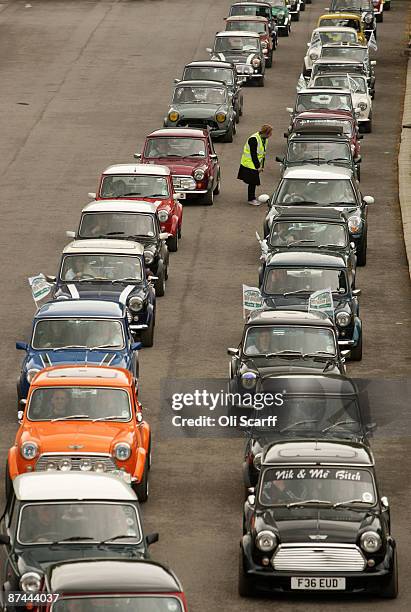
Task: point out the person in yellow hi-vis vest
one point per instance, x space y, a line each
252 161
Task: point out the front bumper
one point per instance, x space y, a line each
247 71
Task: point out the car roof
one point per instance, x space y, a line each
211 64
311 171
201 83
306 259
179 132
326 75
81 308
248 3
86 375
325 213
38 486
102 245
333 60
288 317
138 169
247 18
334 29
325 113
118 206
323 90
334 135
239 33
318 452
112 576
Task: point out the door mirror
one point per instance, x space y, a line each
263 198
4 539
164 235
20 415
345 354
279 159
356 292
50 279
373 62
251 500
214 156
70 234
91 194
22 346
371 426
176 80
358 159
384 502
137 155
135 346
233 351
152 538
289 109
368 199
209 50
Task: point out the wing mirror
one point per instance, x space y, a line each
176 80
373 62
214 156
20 415
356 292
384 502
279 159
358 159
289 109
135 346
22 346
368 199
4 539
152 538
263 198
137 155
251 500
234 352
209 50
345 354
70 234
371 426
164 235
91 194
50 279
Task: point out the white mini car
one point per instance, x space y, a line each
324 36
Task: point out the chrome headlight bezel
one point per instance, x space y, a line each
368 18
31 374
257 461
249 379
27 445
199 174
163 215
148 256
343 318
122 451
266 540
362 106
30 582
313 56
354 224
370 541
256 62
136 303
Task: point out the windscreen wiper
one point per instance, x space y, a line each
292 425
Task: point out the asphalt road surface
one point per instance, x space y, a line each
81 83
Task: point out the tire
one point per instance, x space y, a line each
229 135
260 82
269 62
245 586
241 108
287 31
380 17
218 186
368 126
295 17
160 283
179 232
237 114
172 242
147 335
387 6
208 198
358 171
302 7
149 454
356 353
391 591
142 489
8 484
362 253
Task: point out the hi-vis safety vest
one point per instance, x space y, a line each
246 159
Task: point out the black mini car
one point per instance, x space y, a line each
244 50
54 516
280 342
302 228
315 405
122 220
291 278
316 523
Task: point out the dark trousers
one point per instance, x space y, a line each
251 192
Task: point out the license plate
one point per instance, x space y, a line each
318 584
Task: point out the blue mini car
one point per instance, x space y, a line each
89 332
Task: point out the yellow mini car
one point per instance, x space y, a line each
348 20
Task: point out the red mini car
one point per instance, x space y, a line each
150 184
189 154
325 118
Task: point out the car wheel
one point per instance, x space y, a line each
302 7
269 62
245 586
208 198
358 171
172 243
380 17
387 6
228 136
362 252
295 16
287 31
260 82
241 106
160 283
391 590
179 232
368 126
356 352
141 489
218 186
8 484
149 457
147 335
237 114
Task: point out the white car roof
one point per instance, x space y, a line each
138 169
314 172
39 486
239 33
103 245
115 206
326 91
334 29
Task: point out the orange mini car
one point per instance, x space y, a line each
83 418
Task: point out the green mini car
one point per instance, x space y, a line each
204 105
281 15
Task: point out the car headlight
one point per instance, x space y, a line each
221 117
264 45
148 257
368 18
249 380
86 465
313 56
30 582
29 450
354 224
370 541
256 62
266 540
199 173
163 215
136 303
362 106
31 374
173 115
257 461
343 319
122 451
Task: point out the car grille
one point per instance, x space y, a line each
244 69
184 182
202 124
321 558
104 460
